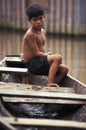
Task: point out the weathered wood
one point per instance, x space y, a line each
30 91
15 61
3 61
13 70
3 110
44 122
22 72
30 87
33 88
41 94
42 100
13 58
6 125
68 81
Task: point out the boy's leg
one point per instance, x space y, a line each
63 70
54 62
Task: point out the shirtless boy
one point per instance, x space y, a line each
37 61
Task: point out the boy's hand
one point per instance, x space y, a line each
49 53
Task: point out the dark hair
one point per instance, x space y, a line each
34 10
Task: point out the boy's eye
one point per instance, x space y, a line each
38 18
34 19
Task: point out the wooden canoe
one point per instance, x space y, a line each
17 85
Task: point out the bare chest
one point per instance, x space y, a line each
40 39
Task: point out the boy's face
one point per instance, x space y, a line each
37 22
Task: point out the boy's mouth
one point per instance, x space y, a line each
39 26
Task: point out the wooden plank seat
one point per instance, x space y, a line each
13 70
49 124
39 94
30 87
14 61
15 92
42 100
21 72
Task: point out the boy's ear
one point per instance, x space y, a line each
28 19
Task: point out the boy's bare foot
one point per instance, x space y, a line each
53 85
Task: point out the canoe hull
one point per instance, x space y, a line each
47 107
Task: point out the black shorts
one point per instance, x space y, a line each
38 65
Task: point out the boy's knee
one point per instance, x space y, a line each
59 59
65 69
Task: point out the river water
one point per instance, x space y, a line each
73 50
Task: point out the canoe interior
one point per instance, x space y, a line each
68 85
16 61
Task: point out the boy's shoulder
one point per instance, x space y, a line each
28 33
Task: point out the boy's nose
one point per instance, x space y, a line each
38 21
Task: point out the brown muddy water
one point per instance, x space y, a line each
73 50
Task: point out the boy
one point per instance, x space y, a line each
37 61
